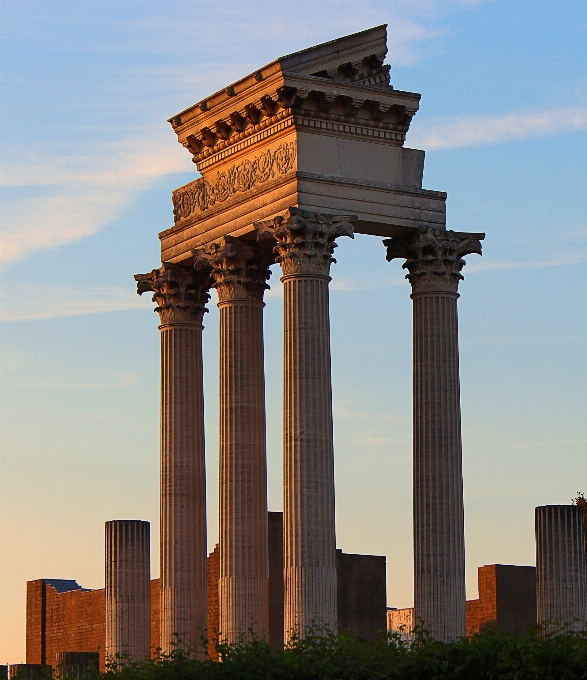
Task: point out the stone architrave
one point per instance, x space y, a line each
239 270
128 591
434 263
561 571
304 246
181 296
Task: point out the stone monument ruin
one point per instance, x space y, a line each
303 151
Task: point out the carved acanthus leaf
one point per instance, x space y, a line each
239 269
305 240
181 294
434 257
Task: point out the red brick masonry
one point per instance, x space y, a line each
63 617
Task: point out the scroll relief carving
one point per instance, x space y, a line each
200 195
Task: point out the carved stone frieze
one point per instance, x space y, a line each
180 292
200 195
305 240
434 257
239 269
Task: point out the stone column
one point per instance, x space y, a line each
76 665
239 271
434 262
305 242
128 590
181 295
561 571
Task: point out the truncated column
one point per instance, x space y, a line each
128 594
305 242
181 295
239 271
434 262
561 571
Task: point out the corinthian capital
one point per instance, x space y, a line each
181 293
434 257
239 269
305 240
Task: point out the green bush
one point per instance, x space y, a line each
324 656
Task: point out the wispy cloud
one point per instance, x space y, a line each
72 197
560 260
466 131
36 301
127 380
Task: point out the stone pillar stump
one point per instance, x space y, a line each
561 570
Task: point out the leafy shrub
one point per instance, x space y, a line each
323 656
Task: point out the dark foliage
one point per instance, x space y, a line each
324 656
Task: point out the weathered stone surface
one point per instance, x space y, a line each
181 294
128 595
304 244
561 572
434 262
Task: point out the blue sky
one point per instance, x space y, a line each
88 164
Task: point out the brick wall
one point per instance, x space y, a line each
275 536
507 598
213 602
35 624
155 619
75 622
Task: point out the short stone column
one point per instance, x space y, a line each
128 591
181 295
72 665
561 571
239 270
29 671
305 242
434 262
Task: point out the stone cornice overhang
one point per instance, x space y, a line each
219 132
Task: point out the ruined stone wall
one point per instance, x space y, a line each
507 598
361 594
213 601
74 621
155 619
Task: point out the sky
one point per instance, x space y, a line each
88 166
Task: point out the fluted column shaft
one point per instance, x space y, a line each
308 511
561 571
305 242
183 487
239 270
244 565
439 532
181 295
128 594
434 262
